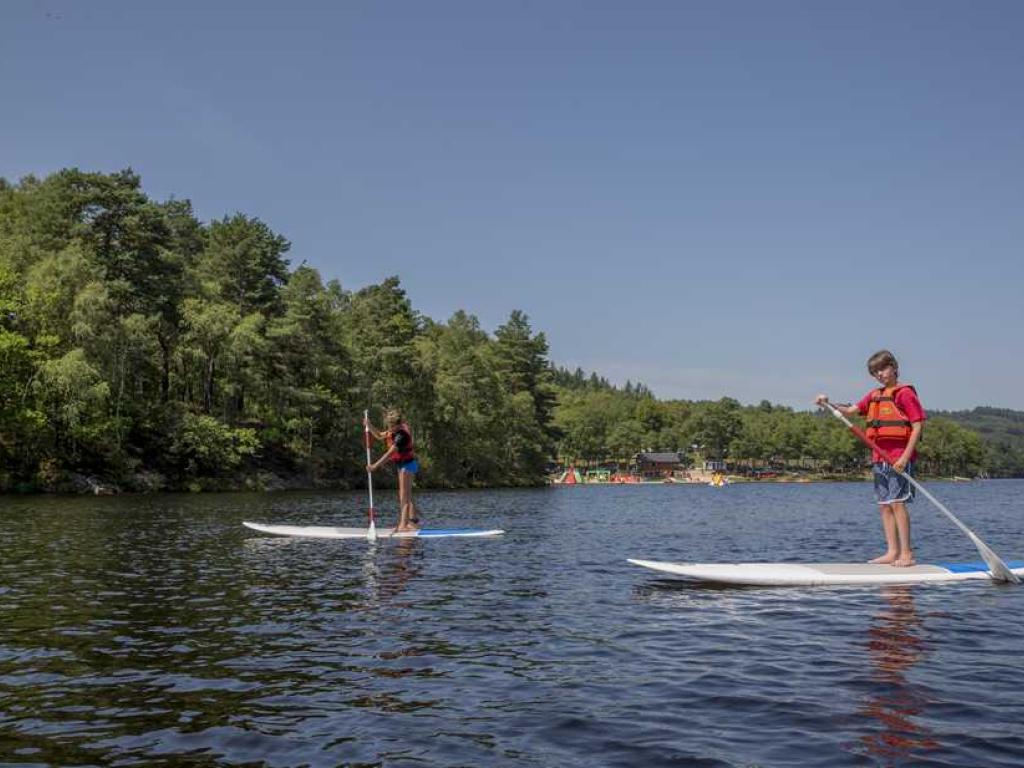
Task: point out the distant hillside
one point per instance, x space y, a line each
1002 429
997 425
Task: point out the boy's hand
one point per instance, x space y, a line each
821 399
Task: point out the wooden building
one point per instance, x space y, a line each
658 465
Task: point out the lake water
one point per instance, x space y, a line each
158 631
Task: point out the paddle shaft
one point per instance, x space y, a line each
372 531
999 569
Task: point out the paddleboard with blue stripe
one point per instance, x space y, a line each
331 532
825 574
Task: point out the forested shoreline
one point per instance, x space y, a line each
597 422
142 349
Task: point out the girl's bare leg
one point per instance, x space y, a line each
406 512
401 526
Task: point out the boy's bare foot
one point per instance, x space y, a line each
905 560
886 559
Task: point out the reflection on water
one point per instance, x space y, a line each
896 642
401 568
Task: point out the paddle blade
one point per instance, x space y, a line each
371 533
1000 570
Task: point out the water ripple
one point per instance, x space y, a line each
158 631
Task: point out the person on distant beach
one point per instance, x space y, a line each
895 419
401 452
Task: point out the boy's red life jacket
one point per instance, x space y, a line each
401 439
884 418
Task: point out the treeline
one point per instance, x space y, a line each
149 350
602 424
142 348
1002 431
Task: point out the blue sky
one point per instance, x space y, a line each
715 198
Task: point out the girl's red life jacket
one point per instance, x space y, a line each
884 418
401 439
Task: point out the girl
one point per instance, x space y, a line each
402 454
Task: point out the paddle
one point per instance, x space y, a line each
371 533
1000 571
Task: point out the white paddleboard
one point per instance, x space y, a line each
331 532
824 574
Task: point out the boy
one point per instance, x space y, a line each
894 421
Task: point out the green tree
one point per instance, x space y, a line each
520 359
244 261
72 395
717 426
522 362
464 423
19 423
310 377
207 447
625 439
381 327
208 328
948 449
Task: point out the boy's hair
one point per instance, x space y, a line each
880 360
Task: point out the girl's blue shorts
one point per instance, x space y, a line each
411 466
